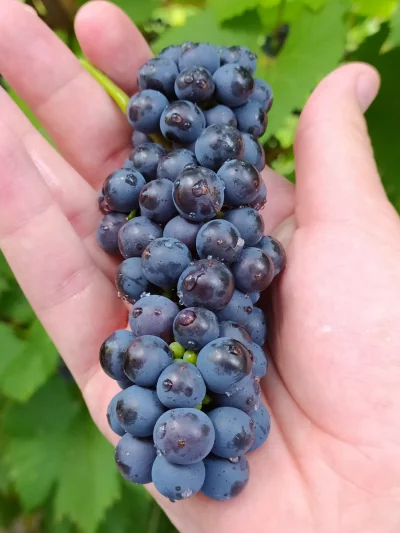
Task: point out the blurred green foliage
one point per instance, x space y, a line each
57 473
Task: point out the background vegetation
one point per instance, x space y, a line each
57 473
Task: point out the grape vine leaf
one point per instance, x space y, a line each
138 10
227 9
395 27
315 5
374 8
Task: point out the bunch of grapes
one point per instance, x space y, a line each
187 223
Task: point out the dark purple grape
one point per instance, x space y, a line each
130 281
253 152
219 239
217 144
199 54
238 309
251 119
194 84
138 138
225 479
262 94
124 383
234 432
171 52
262 427
122 188
107 232
275 250
247 396
249 223
175 162
138 410
135 458
233 85
182 121
183 230
198 194
146 357
254 271
220 114
156 202
164 260
159 74
112 416
242 182
112 353
103 206
194 327
254 297
181 385
239 55
153 315
177 482
257 326
261 199
233 330
260 363
144 110
184 146
206 283
146 157
136 235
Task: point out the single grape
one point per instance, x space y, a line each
146 157
184 146
256 325
127 164
194 84
233 85
144 110
238 309
159 74
138 410
261 199
164 260
145 359
175 162
262 94
103 206
262 427
184 436
135 458
136 235
220 240
225 479
199 54
239 55
275 250
153 315
122 188
156 201
181 385
124 383
260 362
224 363
112 416
242 182
139 138
252 119
198 194
253 152
177 482
182 121
254 271
183 230
219 143
112 353
130 281
234 432
107 232
254 296
247 397
171 52
249 223
194 327
233 330
220 114
206 283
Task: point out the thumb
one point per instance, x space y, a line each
335 169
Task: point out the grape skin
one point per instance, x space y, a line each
130 280
253 152
138 138
199 54
138 410
234 432
225 479
136 235
146 357
254 271
220 114
159 74
252 119
249 223
134 458
242 182
124 383
164 260
181 385
256 325
239 55
261 199
112 353
103 206
260 362
262 94
183 230
182 121
177 482
194 327
220 240
112 416
194 84
219 143
247 397
108 231
174 163
156 201
146 157
122 188
144 110
262 427
233 330
254 296
233 85
153 315
275 250
238 309
171 52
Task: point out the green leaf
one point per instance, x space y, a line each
315 5
9 510
138 10
11 347
374 8
14 307
227 9
273 17
395 27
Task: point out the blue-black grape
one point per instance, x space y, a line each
112 353
135 458
164 260
262 426
219 143
139 138
233 85
253 152
262 94
260 362
181 385
184 436
159 74
194 327
146 157
103 206
249 223
242 182
251 118
261 199
127 164
182 121
224 363
275 250
254 296
171 52
183 230
156 201
124 383
220 114
136 235
225 479
153 315
184 146
199 54
233 330
122 188
206 283
130 281
107 232
145 359
194 84
144 110
138 409
219 239
247 396
239 55
254 271
256 325
234 432
112 416
238 309
177 482
175 162
198 194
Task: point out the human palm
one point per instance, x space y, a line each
331 462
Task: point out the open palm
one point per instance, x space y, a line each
332 462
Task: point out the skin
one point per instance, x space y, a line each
331 463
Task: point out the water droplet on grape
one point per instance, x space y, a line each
157 312
168 244
137 312
161 431
186 318
234 459
167 385
186 494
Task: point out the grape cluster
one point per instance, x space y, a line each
186 221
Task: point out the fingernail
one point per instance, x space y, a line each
367 89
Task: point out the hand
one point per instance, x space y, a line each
332 462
